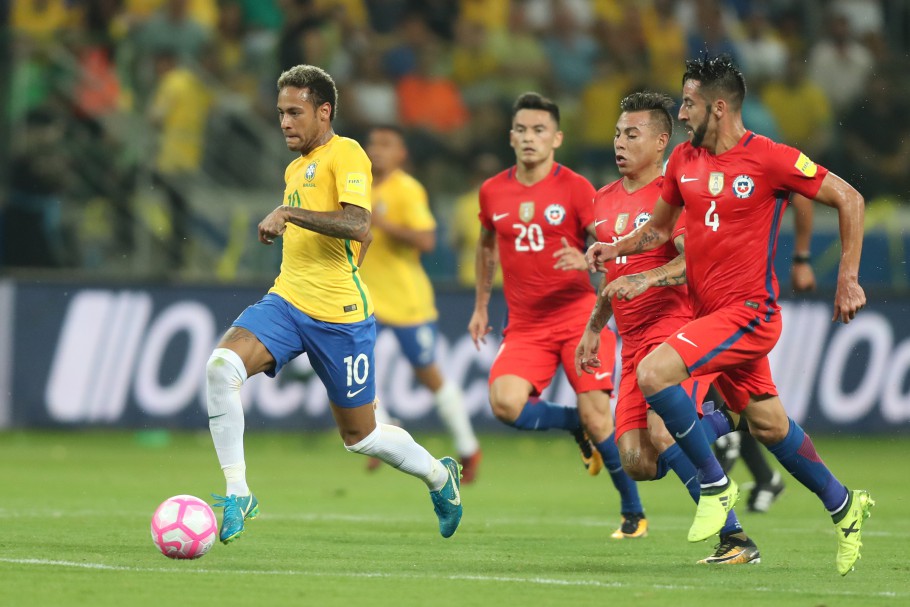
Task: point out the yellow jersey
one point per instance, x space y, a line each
398 283
319 273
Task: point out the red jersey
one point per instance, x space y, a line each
734 205
657 312
529 222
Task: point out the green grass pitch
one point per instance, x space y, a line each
74 529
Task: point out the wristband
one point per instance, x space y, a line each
801 258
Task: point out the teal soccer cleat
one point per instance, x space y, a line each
447 501
236 510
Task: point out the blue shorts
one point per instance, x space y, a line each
418 342
341 354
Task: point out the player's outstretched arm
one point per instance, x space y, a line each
586 353
802 277
485 266
837 193
650 235
351 222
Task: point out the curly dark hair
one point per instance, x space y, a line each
316 80
719 77
660 105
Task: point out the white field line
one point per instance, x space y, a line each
669 523
541 581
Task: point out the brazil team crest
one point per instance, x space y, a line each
622 220
310 171
526 211
555 214
743 186
716 183
641 219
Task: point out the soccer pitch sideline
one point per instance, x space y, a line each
77 506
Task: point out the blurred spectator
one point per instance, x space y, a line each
808 129
474 64
302 19
414 38
464 226
39 174
709 34
876 133
599 112
493 15
179 111
758 117
866 17
570 50
521 58
429 100
840 65
666 45
761 51
370 97
41 20
541 13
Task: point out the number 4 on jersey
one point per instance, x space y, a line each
712 219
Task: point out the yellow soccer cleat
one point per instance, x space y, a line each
634 525
711 513
849 530
590 456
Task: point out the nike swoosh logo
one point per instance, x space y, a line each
597 222
685 179
682 337
353 394
214 416
599 376
497 217
457 500
686 433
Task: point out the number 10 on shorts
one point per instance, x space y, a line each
358 369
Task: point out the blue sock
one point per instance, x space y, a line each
676 409
674 459
715 425
539 414
797 454
628 490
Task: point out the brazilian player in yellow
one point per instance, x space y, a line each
403 228
318 305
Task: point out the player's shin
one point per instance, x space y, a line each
674 459
397 448
628 490
797 454
225 374
449 404
539 414
675 408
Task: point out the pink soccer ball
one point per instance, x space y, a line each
184 527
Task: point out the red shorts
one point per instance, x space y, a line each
631 407
733 342
534 352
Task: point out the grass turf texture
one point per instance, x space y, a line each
76 509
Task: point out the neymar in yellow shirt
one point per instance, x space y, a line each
403 228
318 306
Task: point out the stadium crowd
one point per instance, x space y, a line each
138 127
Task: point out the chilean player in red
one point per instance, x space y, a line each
734 185
644 316
526 212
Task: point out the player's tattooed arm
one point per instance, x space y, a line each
586 352
351 222
602 312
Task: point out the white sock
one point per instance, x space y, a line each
451 410
225 374
397 448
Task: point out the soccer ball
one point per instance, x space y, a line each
184 527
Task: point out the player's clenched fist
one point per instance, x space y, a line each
273 225
598 254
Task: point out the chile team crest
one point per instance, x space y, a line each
641 219
743 186
555 214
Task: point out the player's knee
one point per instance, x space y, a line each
768 434
506 405
636 466
225 369
650 377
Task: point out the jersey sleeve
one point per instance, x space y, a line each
483 214
793 171
670 189
419 216
353 175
